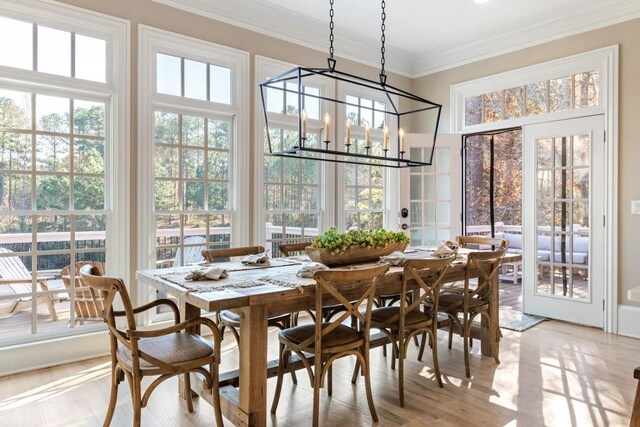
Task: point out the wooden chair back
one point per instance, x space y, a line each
86 307
12 267
486 266
493 242
333 283
220 255
288 249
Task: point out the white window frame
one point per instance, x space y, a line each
75 343
391 179
150 42
266 67
603 60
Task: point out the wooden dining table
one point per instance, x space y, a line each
256 292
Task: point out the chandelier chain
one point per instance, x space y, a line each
331 28
382 38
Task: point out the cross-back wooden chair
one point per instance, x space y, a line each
471 302
401 323
230 319
85 306
482 242
162 352
329 341
18 278
290 249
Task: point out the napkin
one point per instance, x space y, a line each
394 258
309 269
257 259
446 249
209 273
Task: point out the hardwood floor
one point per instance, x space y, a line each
555 374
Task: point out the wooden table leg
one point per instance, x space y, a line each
491 332
252 398
188 312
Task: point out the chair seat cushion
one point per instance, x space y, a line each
380 316
230 318
340 336
173 349
448 300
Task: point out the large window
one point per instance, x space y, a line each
61 110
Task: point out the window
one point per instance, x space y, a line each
60 154
293 188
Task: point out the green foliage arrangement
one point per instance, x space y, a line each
337 242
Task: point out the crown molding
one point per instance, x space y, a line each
304 31
301 31
511 41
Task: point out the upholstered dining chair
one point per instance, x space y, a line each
401 323
471 302
230 319
163 353
331 340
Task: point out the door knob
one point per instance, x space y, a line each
404 226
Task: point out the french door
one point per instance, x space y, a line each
563 220
427 193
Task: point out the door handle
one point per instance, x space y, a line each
404 226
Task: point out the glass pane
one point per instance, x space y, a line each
443 214
544 214
430 214
311 104
52 153
194 195
88 118
15 109
21 227
581 150
536 98
366 112
310 197
545 159
220 84
90 231
587 89
19 52
513 102
415 187
352 110
91 59
416 237
562 152
581 214
562 184
219 134
430 187
193 164
218 165
492 106
193 131
166 128
195 79
218 196
443 161
415 154
89 156
429 238
52 192
54 51
88 192
291 98
52 114
168 75
275 99
473 110
15 151
562 216
167 162
379 115
444 187
560 94
17 192
416 214
581 183
544 185
166 195
545 279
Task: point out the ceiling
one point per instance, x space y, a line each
422 36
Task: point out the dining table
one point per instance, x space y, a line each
256 292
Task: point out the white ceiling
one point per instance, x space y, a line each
422 36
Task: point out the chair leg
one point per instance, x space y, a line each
215 394
356 371
276 395
450 333
113 397
136 398
187 391
367 384
52 309
422 345
467 370
434 355
330 380
401 373
316 397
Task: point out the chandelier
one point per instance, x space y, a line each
400 109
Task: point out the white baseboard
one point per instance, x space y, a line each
629 321
27 357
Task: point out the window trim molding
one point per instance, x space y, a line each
606 61
68 346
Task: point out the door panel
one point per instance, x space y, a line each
431 194
563 220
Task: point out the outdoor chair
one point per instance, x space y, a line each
163 353
331 340
18 278
86 307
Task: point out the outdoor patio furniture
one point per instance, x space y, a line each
19 279
86 306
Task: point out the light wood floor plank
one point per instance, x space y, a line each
555 374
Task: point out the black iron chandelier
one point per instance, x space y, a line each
403 108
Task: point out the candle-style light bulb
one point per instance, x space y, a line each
347 139
367 138
327 119
401 133
304 124
385 138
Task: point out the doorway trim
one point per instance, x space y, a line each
605 60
